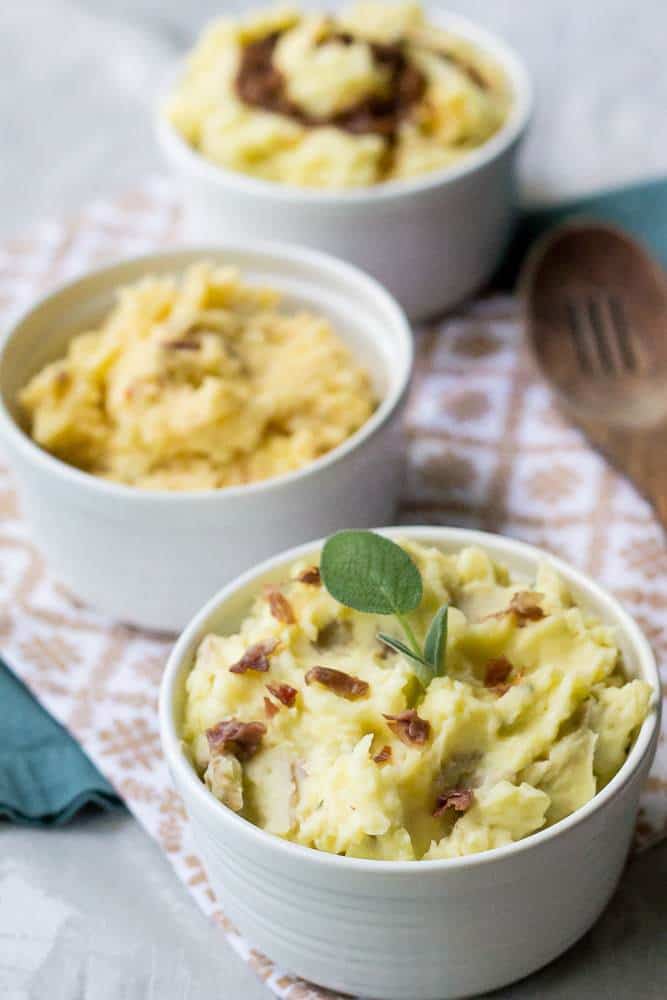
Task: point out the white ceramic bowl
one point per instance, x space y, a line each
421 930
152 558
431 240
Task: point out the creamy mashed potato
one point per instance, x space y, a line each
198 382
371 95
533 717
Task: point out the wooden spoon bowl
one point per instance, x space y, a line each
595 314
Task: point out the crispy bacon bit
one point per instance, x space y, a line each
311 576
270 707
255 658
339 682
383 756
233 736
525 607
285 693
280 607
459 799
409 727
497 672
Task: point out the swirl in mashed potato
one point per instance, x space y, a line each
198 382
313 730
371 95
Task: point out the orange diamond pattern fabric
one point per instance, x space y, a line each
486 449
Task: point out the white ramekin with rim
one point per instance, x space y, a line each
426 930
431 240
151 558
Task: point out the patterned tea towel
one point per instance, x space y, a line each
486 449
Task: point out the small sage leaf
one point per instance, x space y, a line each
399 646
370 573
435 644
422 670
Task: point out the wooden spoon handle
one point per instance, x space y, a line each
646 466
641 454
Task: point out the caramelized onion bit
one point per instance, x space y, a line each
339 682
311 576
280 607
233 736
525 607
270 707
383 756
285 693
409 727
334 633
497 672
459 799
255 657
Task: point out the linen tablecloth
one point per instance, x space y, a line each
486 448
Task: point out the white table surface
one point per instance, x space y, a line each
93 912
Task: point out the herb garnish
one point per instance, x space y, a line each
370 573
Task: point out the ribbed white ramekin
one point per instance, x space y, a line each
431 240
423 930
151 558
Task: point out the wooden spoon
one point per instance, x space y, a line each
595 312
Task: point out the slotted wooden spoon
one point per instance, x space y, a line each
595 314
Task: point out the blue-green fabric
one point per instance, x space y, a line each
45 777
641 209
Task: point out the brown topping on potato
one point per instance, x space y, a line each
409 727
525 607
459 799
311 576
270 707
339 682
383 756
233 736
497 672
280 607
255 658
260 83
182 345
285 693
334 633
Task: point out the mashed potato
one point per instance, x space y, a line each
198 382
533 717
374 94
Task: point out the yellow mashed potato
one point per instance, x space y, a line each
533 717
371 95
198 382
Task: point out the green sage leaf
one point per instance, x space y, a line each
435 644
423 671
370 573
399 646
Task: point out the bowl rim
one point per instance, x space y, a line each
321 266
177 149
642 747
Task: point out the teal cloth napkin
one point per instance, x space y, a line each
45 777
